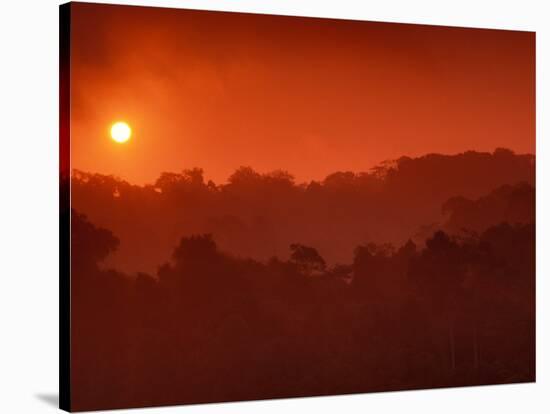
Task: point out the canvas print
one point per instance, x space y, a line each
258 206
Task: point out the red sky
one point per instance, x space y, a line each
311 96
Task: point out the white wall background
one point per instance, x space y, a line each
28 204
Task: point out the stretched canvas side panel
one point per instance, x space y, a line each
64 209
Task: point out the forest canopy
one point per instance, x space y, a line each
419 273
259 215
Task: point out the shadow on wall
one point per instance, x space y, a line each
49 399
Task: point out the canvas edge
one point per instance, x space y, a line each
64 209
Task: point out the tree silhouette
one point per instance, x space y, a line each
217 310
258 215
307 259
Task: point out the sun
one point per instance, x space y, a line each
121 132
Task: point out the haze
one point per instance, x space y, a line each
311 96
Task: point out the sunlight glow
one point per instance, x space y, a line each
121 132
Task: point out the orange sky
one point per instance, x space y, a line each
311 96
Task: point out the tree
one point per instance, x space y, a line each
195 248
89 244
307 259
